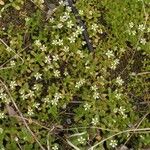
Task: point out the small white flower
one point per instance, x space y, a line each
110 54
30 111
95 121
141 27
94 27
80 83
2 115
57 96
23 96
55 147
47 60
114 64
133 32
122 110
94 88
66 73
79 30
30 94
59 25
113 143
12 63
75 34
38 76
36 105
148 29
60 42
72 39
66 49
1 130
38 43
43 48
54 102
54 42
51 19
13 84
131 24
55 57
3 96
81 140
80 54
118 95
70 24
36 87
81 12
119 81
115 110
87 106
143 41
68 9
96 95
57 73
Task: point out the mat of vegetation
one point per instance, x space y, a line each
74 75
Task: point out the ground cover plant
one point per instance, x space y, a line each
74 76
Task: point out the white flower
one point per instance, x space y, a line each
51 19
68 9
113 143
23 96
13 84
81 12
80 54
80 83
66 49
70 24
43 48
38 43
36 87
109 54
141 27
79 30
30 94
119 81
87 106
57 96
148 29
47 60
60 42
38 76
55 57
133 32
12 63
54 42
115 110
96 95
122 110
75 34
3 96
57 73
94 88
94 26
1 130
143 41
66 73
59 25
131 24
2 115
72 39
95 121
118 95
36 105
55 147
30 111
81 140
114 64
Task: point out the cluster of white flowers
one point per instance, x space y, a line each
80 83
56 98
87 106
95 121
113 143
81 140
57 42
